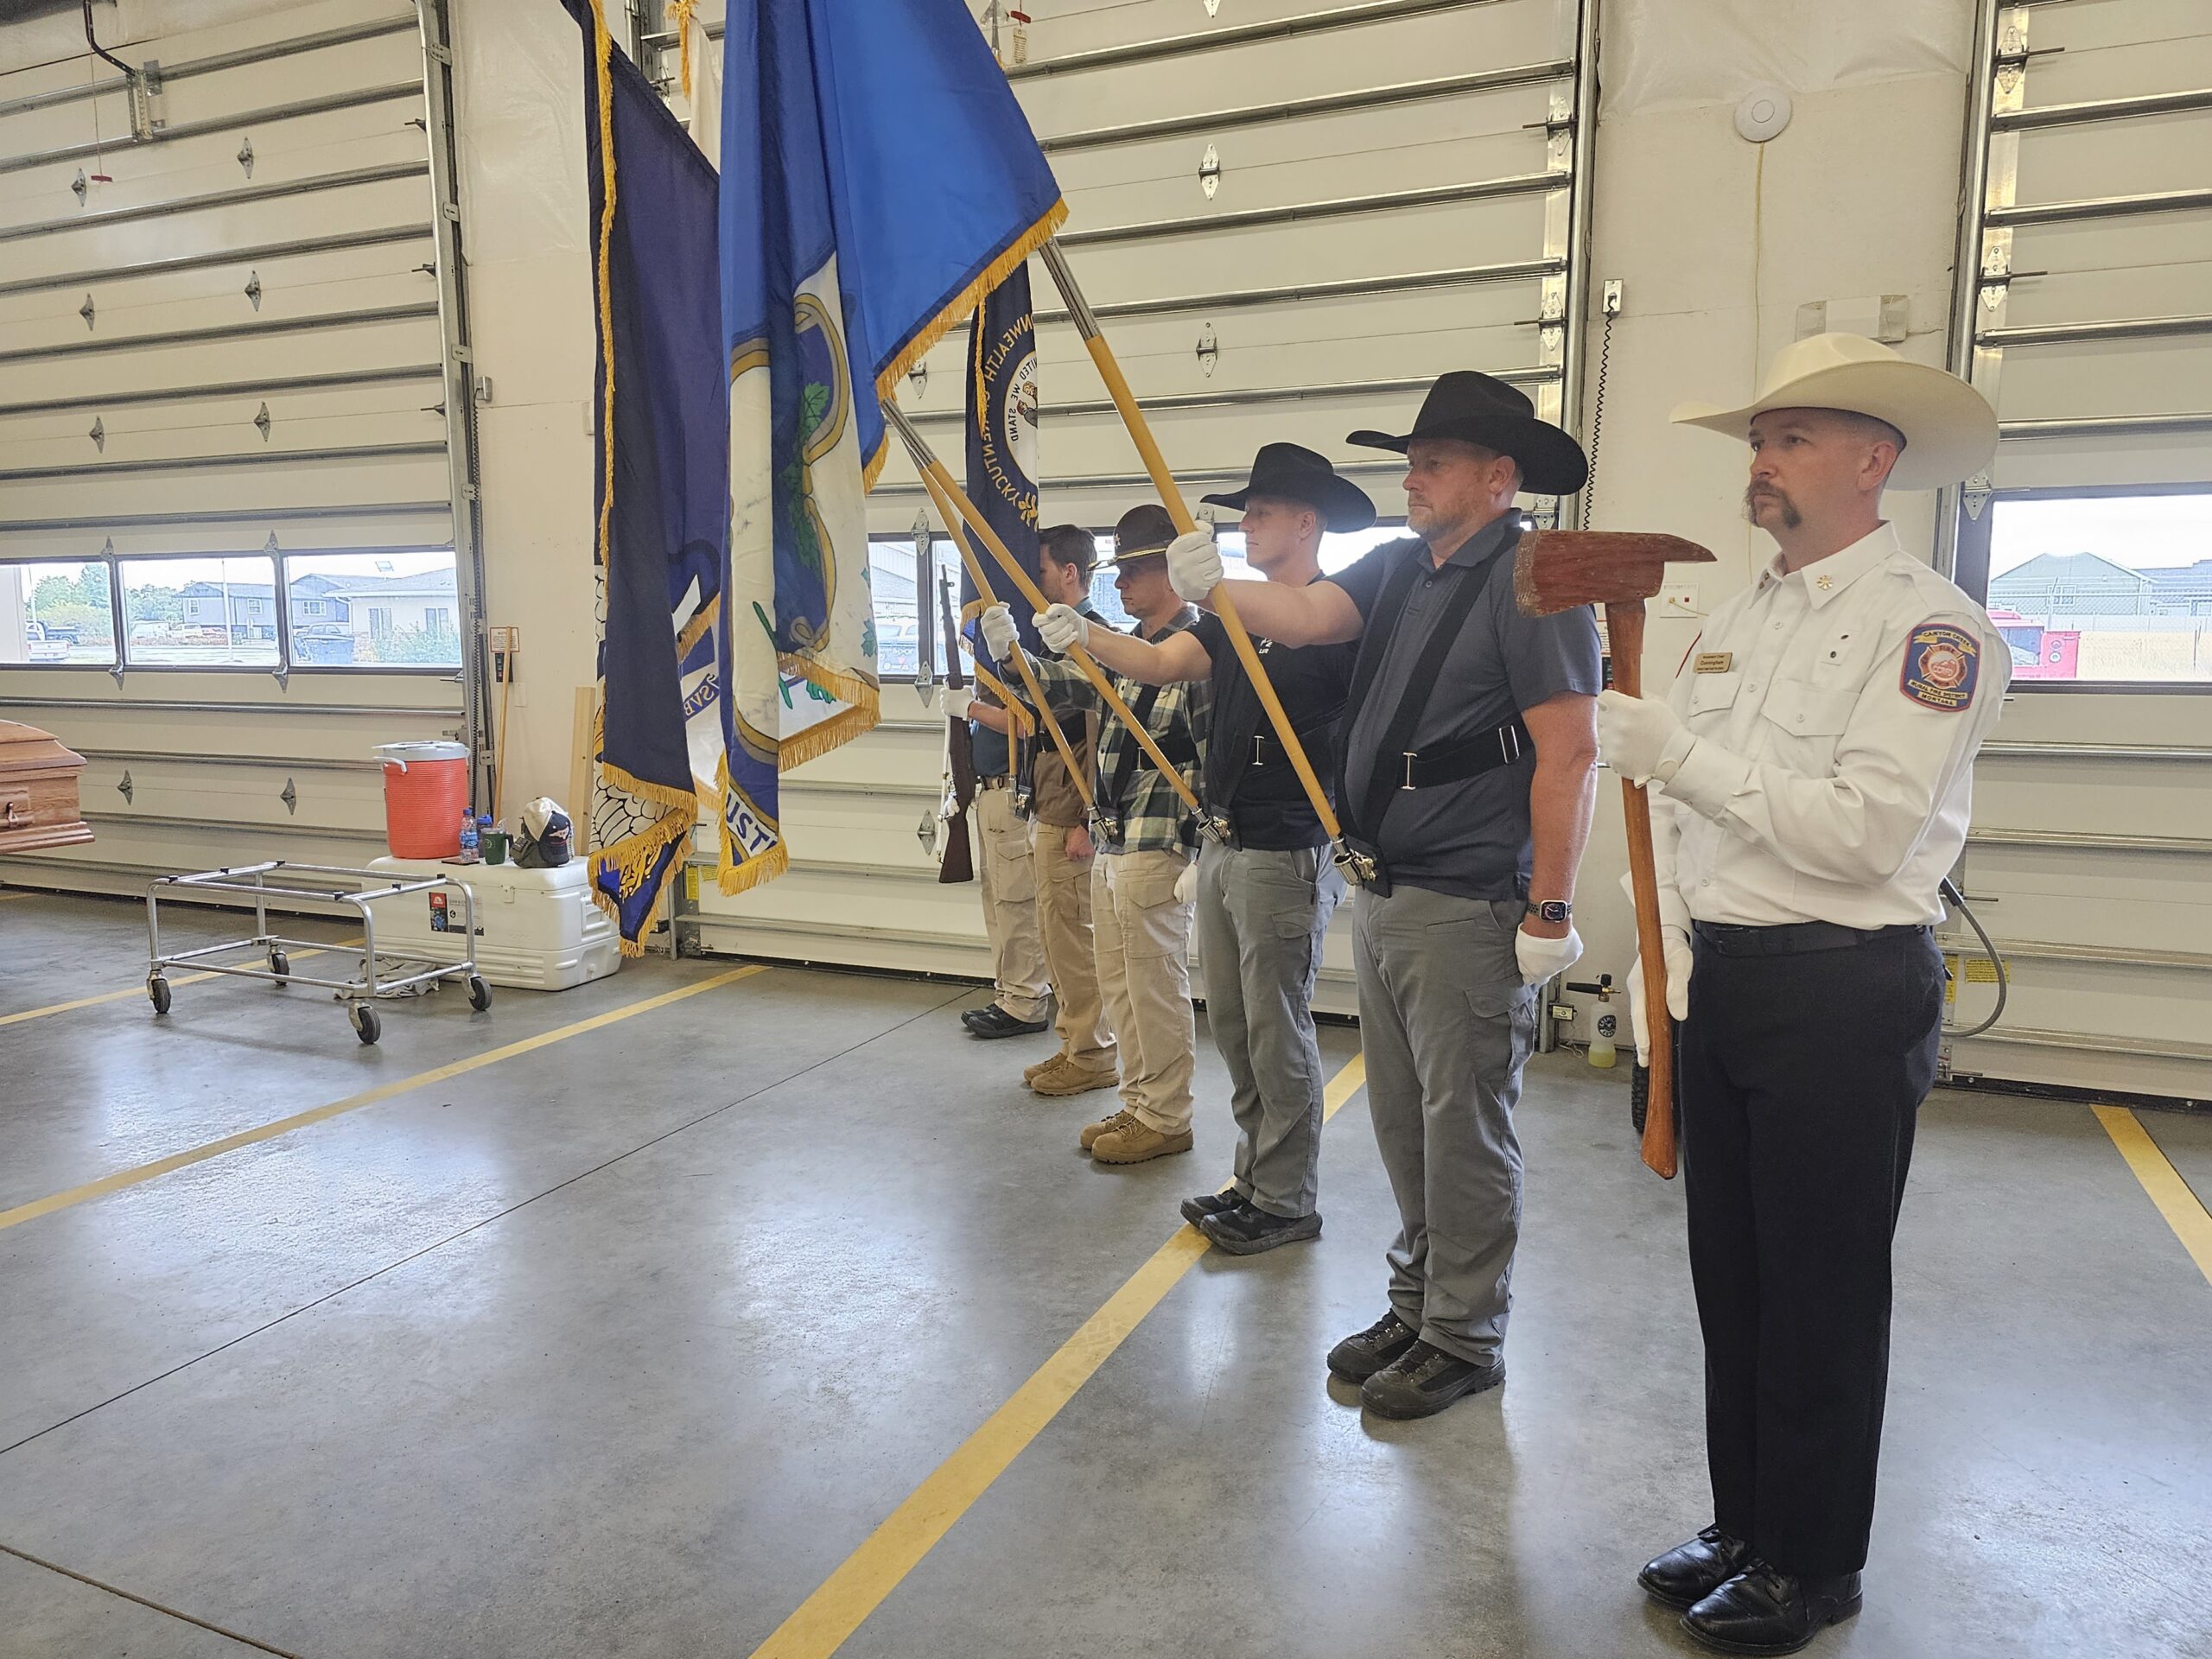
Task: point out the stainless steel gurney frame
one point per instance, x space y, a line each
401 976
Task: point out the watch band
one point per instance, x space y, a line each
1550 910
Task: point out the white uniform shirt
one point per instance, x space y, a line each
1835 711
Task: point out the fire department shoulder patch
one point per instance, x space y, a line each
1942 662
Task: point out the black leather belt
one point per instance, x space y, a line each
1796 939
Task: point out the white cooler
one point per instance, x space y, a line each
537 930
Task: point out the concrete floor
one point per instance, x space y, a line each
620 1345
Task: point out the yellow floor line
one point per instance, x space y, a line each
139 989
857 1588
129 1178
2183 1211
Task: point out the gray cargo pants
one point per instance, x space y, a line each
1262 915
1447 1024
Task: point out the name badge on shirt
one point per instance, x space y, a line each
1941 662
1715 662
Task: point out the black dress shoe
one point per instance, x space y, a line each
1761 1611
1359 1355
1247 1230
1196 1210
1689 1573
995 1021
1423 1380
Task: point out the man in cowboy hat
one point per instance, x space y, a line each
1139 899
1466 784
1267 884
1813 762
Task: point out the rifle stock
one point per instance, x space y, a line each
959 861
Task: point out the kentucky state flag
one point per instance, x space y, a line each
878 178
660 485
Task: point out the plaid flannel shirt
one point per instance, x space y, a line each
1154 816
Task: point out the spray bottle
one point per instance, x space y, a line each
1602 1052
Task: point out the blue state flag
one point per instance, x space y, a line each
878 180
660 488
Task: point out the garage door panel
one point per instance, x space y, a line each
1476 37
142 428
2103 66
309 481
2145 902
2148 459
118 299
2150 290
2118 158
224 222
114 329
242 360
2091 797
2151 377
2151 242
288 433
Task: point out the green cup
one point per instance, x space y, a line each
493 844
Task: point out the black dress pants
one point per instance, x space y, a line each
1802 1075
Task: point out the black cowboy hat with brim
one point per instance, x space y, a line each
1478 410
1296 474
1142 533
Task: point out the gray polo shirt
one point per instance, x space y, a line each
1470 839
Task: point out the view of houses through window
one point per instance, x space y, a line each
2104 589
376 609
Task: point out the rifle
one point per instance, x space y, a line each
959 862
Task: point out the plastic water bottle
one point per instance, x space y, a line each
468 841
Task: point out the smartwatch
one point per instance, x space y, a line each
1553 911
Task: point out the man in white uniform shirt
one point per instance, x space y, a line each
1812 766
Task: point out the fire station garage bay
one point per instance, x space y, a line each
904 828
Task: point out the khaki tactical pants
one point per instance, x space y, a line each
1064 920
1009 882
1143 939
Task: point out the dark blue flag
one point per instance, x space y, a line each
1002 441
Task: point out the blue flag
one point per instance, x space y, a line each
660 493
1002 443
878 180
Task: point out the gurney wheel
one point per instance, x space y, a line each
157 991
366 1026
479 993
280 965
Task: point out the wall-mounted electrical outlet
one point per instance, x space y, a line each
1679 599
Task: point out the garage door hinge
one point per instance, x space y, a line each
1209 350
290 796
123 788
918 377
252 289
264 422
1975 494
246 156
87 311
79 185
443 53
98 434
451 211
1209 171
468 492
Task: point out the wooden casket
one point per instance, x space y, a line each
38 791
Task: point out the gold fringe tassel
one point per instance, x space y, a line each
964 303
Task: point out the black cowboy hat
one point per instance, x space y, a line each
1477 408
1297 473
1142 533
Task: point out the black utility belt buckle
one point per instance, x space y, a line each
1108 829
1362 866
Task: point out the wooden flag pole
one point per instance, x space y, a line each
931 467
1224 606
976 574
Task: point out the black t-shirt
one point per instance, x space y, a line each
1265 799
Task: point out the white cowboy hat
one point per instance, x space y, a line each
1950 430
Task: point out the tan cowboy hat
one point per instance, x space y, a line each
1950 430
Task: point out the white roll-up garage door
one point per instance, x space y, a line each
233 427
1289 219
2085 311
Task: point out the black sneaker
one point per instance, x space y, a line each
1249 1230
1195 1210
1423 1380
995 1021
1360 1356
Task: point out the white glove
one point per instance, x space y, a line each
1000 638
1540 958
1194 565
1186 885
1678 961
1063 627
1641 738
957 700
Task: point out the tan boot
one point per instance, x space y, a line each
1135 1142
1091 1132
1031 1073
1064 1076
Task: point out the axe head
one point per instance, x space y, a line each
1556 570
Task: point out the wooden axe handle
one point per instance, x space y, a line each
1625 634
